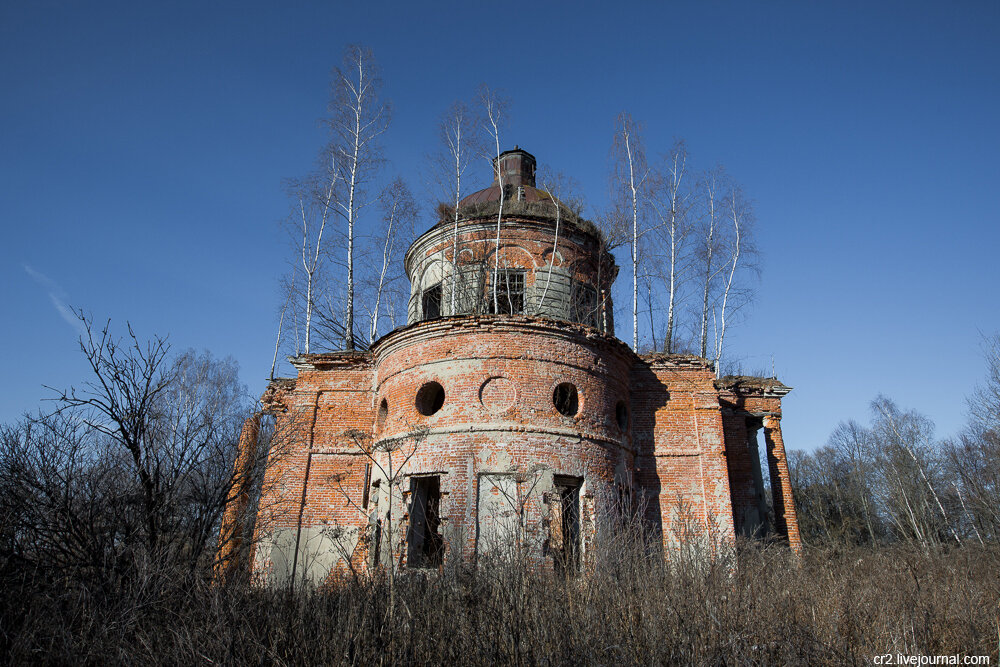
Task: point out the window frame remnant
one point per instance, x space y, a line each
510 293
584 304
430 301
565 535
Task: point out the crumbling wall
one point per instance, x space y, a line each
460 432
310 522
680 448
752 404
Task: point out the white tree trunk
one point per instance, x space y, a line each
735 213
635 239
555 249
456 150
676 176
386 253
492 113
311 256
709 273
351 211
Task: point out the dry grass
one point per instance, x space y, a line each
540 209
751 605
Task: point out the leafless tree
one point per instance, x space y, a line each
629 185
909 478
672 202
399 211
389 458
358 117
290 293
739 248
558 187
973 458
461 140
128 477
495 110
724 253
709 247
313 206
853 443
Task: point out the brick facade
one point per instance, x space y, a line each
474 435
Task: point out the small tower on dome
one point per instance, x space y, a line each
517 168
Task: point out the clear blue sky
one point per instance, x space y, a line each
143 147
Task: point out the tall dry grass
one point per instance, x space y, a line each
742 606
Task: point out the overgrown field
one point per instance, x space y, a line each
747 606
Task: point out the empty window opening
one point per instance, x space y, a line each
564 524
510 293
425 547
621 415
383 413
430 398
565 399
430 302
583 304
763 482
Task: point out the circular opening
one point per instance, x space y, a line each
565 399
383 413
621 415
430 398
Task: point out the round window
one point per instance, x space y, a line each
565 399
430 398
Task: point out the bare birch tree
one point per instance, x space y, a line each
461 139
739 215
398 213
672 202
495 110
358 117
708 250
557 186
974 457
630 175
290 293
313 205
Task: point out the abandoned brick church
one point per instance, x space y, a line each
506 417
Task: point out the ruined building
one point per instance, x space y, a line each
506 418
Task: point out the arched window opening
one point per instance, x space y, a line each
621 415
383 413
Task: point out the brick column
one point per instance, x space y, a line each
238 501
786 521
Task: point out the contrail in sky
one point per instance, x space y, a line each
58 298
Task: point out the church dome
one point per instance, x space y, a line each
516 175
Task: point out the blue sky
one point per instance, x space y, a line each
143 149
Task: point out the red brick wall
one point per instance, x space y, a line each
680 450
477 432
679 438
